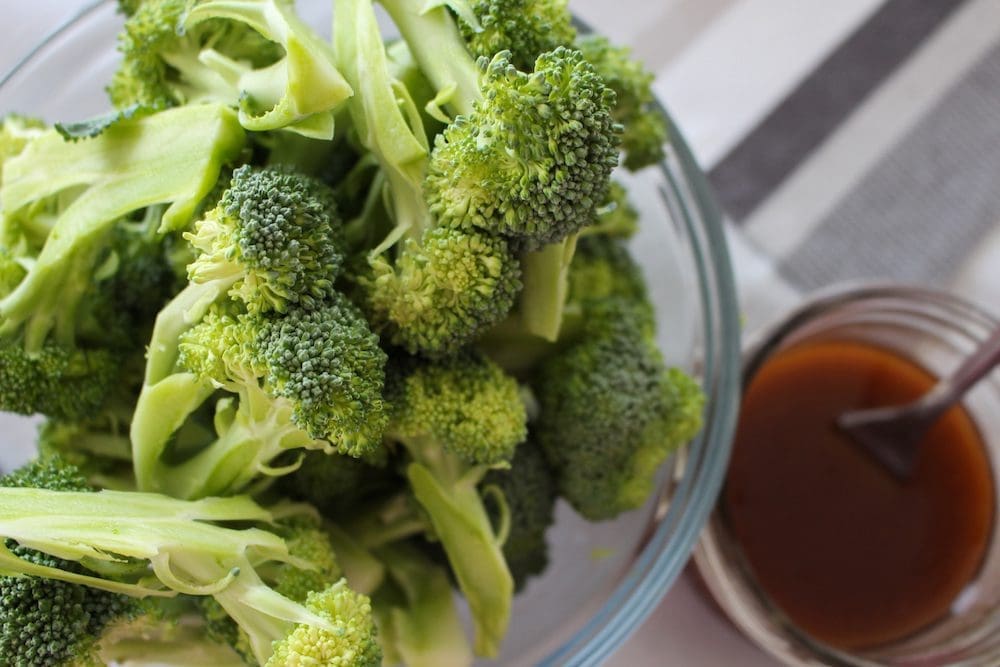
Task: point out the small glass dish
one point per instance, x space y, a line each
604 578
934 331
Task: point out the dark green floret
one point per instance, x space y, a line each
635 107
528 490
299 380
611 413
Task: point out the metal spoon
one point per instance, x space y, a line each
891 434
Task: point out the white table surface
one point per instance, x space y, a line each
685 630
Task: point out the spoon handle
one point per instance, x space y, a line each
973 369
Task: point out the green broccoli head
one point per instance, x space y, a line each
616 216
58 381
46 621
351 641
603 270
528 492
532 161
274 237
444 290
464 403
611 413
645 126
526 28
328 363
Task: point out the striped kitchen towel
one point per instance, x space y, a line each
856 139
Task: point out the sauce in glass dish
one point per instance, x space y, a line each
853 556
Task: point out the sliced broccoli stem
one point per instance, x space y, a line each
259 431
161 410
545 274
423 626
439 49
395 135
462 524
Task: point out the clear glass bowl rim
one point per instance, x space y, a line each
669 547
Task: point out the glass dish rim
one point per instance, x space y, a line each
655 567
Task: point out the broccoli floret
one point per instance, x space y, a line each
170 157
456 418
527 494
552 145
526 28
645 125
437 289
304 380
611 412
160 546
254 54
59 381
271 242
338 485
443 290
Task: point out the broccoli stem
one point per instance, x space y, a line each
439 49
394 133
462 524
161 410
259 431
545 274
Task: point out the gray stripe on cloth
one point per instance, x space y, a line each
821 102
919 213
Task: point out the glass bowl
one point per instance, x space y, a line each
604 578
934 331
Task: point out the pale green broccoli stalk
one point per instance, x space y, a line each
611 412
170 157
141 545
440 287
253 54
526 28
527 491
304 380
457 418
418 623
16 132
300 91
47 621
645 125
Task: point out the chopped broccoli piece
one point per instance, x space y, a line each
457 418
170 157
159 546
304 380
611 412
257 55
